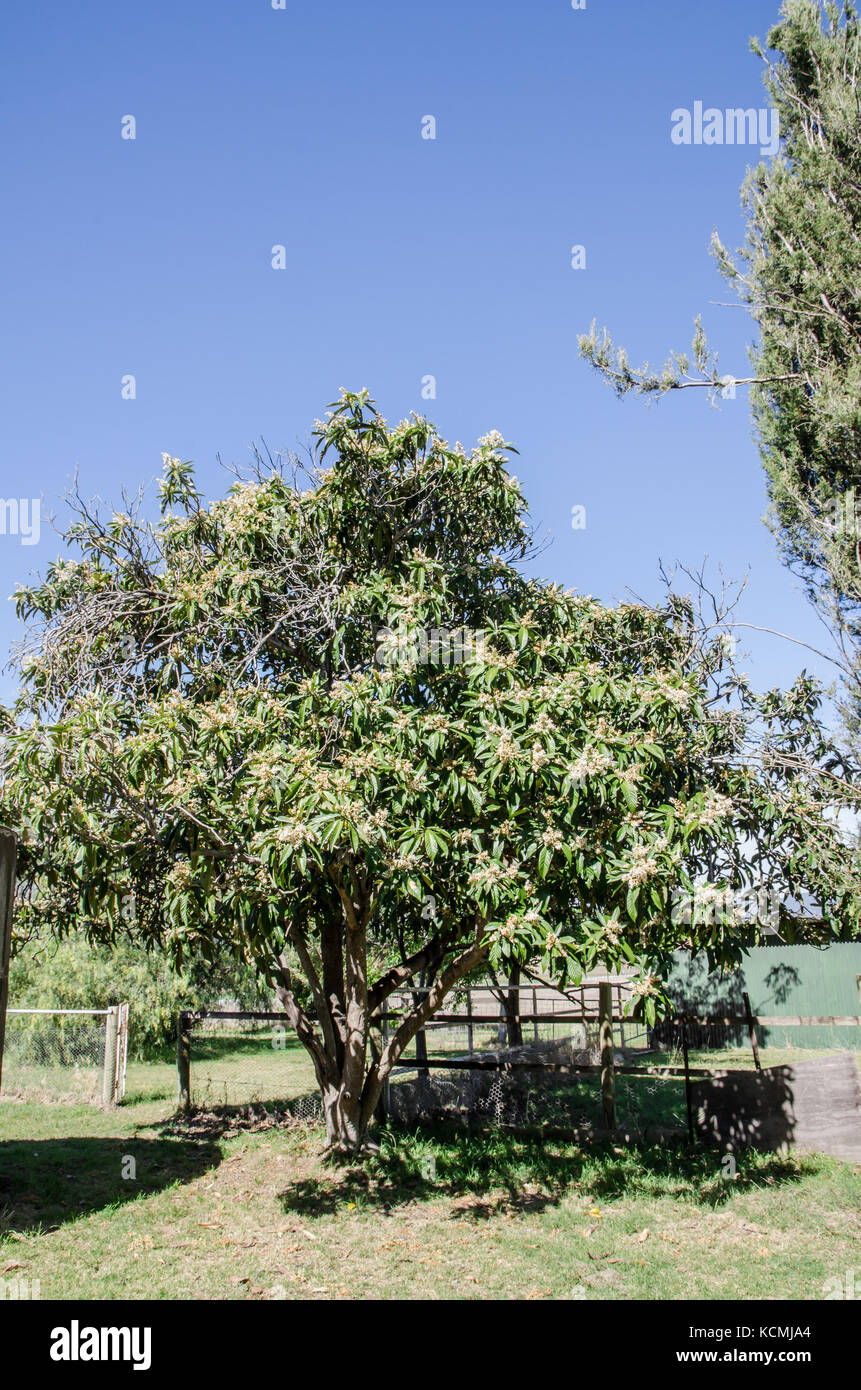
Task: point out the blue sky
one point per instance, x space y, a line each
405 257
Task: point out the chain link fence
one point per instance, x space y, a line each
65 1055
227 1058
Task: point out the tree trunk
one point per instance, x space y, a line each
510 1031
350 1089
344 1130
512 1009
425 981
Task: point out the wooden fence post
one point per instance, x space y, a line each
469 1037
688 1097
608 1071
8 860
183 1062
122 1049
109 1078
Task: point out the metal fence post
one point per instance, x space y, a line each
122 1050
688 1098
387 1085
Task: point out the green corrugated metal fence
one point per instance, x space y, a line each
780 980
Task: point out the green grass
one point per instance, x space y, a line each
238 1204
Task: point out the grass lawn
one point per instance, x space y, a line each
236 1205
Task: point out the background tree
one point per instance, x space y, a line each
800 276
74 973
236 719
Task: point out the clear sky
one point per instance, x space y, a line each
405 257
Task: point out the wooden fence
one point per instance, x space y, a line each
600 1003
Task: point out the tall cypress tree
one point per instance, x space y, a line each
799 274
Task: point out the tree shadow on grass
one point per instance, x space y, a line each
694 1174
491 1172
47 1182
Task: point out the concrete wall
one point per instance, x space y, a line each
813 1105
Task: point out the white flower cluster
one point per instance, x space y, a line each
710 904
645 987
673 694
488 872
508 929
507 750
590 763
295 834
211 719
402 862
717 808
492 440
360 762
644 867
544 724
181 876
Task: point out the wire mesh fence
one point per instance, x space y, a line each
537 1099
65 1055
528 1056
230 1059
238 1059
520 1056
